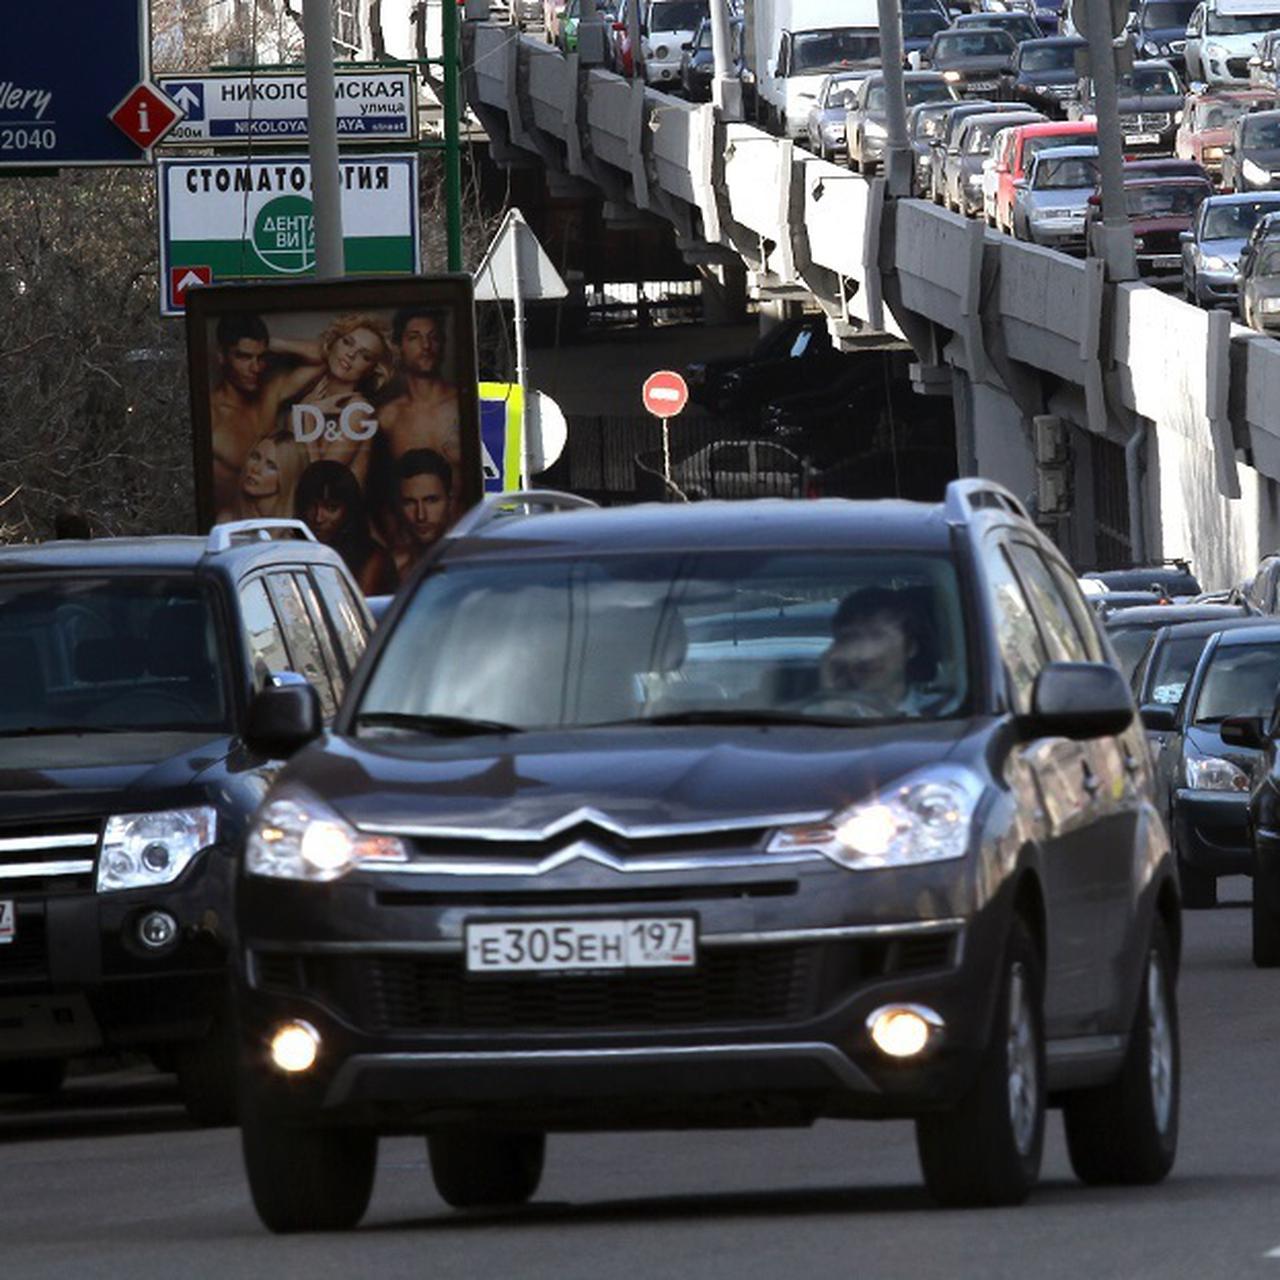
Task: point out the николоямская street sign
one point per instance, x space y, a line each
251 219
226 109
64 68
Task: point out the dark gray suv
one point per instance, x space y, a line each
727 814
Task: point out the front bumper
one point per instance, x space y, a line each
1065 234
1211 831
1216 287
772 1021
75 978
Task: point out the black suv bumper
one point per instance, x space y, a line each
771 1023
76 978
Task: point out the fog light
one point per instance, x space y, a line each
903 1031
157 930
294 1046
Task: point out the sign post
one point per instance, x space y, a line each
665 394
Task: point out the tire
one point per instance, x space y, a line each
1266 926
305 1179
33 1077
482 1170
1126 1132
207 1076
987 1151
1199 888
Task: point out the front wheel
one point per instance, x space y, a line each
304 1179
1126 1132
485 1170
987 1151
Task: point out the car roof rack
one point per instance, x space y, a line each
520 502
964 497
222 537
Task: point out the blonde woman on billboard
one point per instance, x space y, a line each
268 480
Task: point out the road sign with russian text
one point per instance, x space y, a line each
226 109
251 219
64 68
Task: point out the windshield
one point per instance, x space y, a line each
918 91
826 50
598 639
1218 115
1163 200
1049 57
676 15
978 140
1235 221
1241 681
875 98
920 24
973 44
1237 24
1167 13
1261 133
1072 173
1173 669
1129 644
1148 82
129 654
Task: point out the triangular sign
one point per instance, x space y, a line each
495 276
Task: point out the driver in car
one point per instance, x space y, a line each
877 652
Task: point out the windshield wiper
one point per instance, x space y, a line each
453 726
750 715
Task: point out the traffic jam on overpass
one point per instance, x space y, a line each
858 702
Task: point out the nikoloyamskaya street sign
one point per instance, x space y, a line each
251 219
64 68
226 109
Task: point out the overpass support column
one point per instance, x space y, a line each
724 292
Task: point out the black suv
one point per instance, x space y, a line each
129 768
726 814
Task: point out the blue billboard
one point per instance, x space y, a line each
64 68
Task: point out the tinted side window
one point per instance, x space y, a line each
321 630
1065 644
267 652
1085 618
1016 631
301 639
344 614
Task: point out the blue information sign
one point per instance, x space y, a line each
64 68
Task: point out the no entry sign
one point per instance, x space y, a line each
665 393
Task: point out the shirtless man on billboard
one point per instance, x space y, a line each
425 414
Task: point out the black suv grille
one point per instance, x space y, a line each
48 858
731 985
26 957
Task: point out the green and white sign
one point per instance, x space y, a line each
251 219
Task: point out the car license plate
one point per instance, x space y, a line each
980 84
562 946
1166 261
8 921
1138 139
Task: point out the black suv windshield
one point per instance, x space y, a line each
1162 14
1241 681
774 636
91 655
1048 57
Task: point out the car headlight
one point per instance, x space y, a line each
1151 49
1177 116
1139 243
1212 262
1255 174
952 77
1211 773
298 837
1213 153
660 52
141 849
926 817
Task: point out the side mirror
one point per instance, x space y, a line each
1229 149
1159 717
1243 731
1078 700
282 719
1187 237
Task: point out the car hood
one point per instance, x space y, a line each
632 777
1155 102
1244 43
1268 157
1051 76
988 62
70 775
1059 198
1229 249
1162 35
1178 222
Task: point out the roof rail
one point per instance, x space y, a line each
501 506
224 536
964 497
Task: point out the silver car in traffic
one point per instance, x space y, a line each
1051 203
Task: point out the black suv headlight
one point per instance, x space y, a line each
925 817
141 849
298 837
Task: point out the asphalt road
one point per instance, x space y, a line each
114 1183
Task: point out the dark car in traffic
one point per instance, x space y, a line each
1043 75
971 60
919 26
1204 775
1151 100
716 814
131 676
1160 210
697 64
1159 29
1251 160
1130 629
866 119
1211 249
962 166
717 383
1019 23
1258 279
